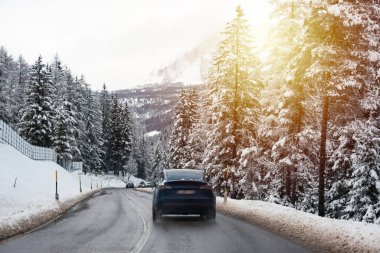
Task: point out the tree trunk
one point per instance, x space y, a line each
236 104
298 122
322 156
287 182
293 190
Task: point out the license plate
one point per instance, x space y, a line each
186 192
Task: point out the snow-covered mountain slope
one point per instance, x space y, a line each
34 191
154 103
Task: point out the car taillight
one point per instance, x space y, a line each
165 187
206 187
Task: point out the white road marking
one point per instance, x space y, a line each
147 228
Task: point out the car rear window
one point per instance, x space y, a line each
173 175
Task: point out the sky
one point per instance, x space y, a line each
119 42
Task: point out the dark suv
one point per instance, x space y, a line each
184 192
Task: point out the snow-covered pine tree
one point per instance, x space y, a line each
138 145
334 68
36 124
92 154
105 106
80 90
184 119
282 100
198 136
5 87
283 130
22 72
192 108
126 133
348 175
59 78
363 197
115 137
159 164
64 123
75 96
233 89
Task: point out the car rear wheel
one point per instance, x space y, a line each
209 215
212 214
155 215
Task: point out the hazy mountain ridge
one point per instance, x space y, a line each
154 103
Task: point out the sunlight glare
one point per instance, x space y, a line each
257 12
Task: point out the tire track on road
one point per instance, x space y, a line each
147 227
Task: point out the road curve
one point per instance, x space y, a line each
119 221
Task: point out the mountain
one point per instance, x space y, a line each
154 103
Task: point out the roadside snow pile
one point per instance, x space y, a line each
34 191
146 190
318 233
98 181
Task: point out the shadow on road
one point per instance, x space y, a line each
183 220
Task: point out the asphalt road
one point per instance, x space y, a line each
119 220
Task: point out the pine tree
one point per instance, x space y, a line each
139 145
336 65
37 117
185 117
20 90
363 197
64 123
105 106
5 87
92 153
126 129
359 100
115 137
233 88
159 164
283 127
60 78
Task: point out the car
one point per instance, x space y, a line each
129 185
142 184
184 192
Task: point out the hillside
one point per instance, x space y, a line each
153 102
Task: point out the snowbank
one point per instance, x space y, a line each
319 234
34 193
147 190
313 232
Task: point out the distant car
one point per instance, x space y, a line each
129 185
142 184
184 192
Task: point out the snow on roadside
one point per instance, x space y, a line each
317 233
35 186
147 190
